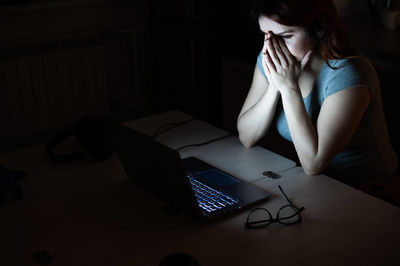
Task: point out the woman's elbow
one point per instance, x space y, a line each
248 143
244 138
310 171
312 168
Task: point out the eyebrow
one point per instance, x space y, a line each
284 32
281 33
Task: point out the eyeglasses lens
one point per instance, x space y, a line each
259 218
289 214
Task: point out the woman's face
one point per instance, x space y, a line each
296 38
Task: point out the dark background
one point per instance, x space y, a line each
196 56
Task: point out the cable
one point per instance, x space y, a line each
203 143
169 126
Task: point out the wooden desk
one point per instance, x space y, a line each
88 214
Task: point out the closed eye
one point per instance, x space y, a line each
286 36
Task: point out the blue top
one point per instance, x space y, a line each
369 152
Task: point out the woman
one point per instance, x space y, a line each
324 95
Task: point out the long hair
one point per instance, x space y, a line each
318 17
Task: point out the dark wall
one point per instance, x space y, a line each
181 49
239 33
189 42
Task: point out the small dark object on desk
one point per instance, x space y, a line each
271 174
9 183
94 135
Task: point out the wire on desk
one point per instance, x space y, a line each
203 143
164 128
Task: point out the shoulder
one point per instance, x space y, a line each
357 62
349 72
356 69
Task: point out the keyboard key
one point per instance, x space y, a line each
210 199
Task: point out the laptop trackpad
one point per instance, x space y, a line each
217 177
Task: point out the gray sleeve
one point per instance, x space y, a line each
351 72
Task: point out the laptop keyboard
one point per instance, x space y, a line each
209 199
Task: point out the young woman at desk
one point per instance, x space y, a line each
324 95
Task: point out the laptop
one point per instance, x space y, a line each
189 185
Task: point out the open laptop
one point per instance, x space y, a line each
188 185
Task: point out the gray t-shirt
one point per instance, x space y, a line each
369 153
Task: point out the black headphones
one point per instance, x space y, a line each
94 135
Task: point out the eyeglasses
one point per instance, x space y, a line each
287 214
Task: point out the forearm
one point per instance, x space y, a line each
302 131
255 122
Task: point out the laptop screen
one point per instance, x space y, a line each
156 168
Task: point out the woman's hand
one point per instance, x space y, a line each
281 68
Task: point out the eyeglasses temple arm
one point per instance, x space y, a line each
280 188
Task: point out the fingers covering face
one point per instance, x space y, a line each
267 62
276 51
273 51
285 50
277 44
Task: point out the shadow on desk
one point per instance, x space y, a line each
276 143
387 189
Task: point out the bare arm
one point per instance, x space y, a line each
338 119
258 110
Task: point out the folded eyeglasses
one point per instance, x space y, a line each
288 214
